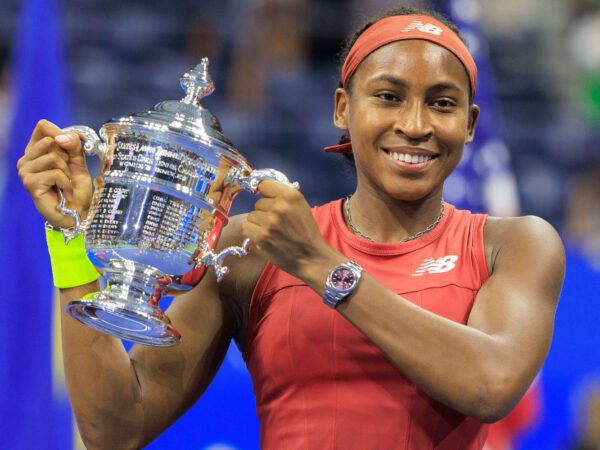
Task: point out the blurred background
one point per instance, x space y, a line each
274 62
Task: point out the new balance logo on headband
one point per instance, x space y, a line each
442 264
425 28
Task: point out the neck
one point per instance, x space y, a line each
388 220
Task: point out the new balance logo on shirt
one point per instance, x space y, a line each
425 28
439 265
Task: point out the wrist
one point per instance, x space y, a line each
70 264
314 272
342 280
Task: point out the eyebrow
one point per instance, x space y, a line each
441 86
389 79
445 86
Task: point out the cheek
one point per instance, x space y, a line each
454 133
364 118
366 128
455 145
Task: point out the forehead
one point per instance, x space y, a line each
414 60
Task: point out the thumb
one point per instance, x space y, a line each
70 142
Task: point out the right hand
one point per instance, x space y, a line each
52 162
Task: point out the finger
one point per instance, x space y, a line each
38 184
42 147
265 204
280 205
43 129
71 142
272 188
257 217
64 184
38 148
46 162
254 232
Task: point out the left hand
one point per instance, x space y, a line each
283 228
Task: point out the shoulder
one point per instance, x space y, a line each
525 243
530 231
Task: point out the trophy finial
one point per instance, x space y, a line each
197 83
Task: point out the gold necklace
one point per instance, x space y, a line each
410 238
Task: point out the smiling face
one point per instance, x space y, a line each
409 117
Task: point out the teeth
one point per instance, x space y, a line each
410 159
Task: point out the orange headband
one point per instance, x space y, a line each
399 28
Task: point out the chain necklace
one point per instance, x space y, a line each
410 238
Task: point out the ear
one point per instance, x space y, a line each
340 112
473 116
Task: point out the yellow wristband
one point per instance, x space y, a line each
70 264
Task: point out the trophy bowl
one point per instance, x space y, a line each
162 197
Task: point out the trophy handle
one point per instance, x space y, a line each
93 145
216 260
250 182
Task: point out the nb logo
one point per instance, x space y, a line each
425 28
443 264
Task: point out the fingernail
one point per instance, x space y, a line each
62 139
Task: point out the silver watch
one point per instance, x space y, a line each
340 282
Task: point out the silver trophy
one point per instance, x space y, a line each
166 185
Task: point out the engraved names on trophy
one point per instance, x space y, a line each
160 221
156 209
113 203
169 221
161 162
177 224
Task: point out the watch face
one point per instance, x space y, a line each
342 279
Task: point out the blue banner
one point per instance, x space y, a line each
33 415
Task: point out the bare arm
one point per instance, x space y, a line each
481 369
125 400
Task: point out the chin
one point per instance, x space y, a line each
409 196
412 193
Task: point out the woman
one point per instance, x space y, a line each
436 327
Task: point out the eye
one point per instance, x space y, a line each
387 97
443 103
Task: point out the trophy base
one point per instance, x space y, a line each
128 307
141 323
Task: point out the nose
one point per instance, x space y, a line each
413 122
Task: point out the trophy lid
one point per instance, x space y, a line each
186 117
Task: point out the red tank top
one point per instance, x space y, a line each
321 384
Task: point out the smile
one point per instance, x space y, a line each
410 158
